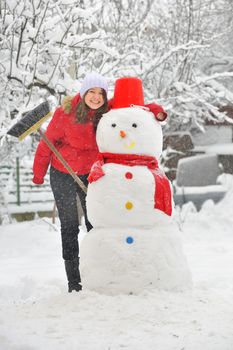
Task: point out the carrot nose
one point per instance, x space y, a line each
122 133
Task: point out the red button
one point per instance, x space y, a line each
129 175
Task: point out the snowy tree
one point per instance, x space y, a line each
174 46
196 94
189 30
46 46
40 42
219 57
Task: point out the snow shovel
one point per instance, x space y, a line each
31 122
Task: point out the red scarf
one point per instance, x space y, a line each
162 196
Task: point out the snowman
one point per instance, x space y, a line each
134 244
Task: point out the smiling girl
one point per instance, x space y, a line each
72 131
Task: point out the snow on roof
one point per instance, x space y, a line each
224 148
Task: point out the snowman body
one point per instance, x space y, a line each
123 196
132 245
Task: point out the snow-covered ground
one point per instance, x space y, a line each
36 312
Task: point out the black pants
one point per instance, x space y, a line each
65 191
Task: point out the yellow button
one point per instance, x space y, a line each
129 205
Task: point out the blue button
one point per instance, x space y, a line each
129 240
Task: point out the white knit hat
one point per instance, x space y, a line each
92 80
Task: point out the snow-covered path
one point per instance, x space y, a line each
36 312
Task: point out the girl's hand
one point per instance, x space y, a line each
37 180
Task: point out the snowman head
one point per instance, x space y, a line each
130 131
129 128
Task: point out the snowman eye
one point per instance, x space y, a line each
113 125
134 125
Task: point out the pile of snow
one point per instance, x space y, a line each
37 312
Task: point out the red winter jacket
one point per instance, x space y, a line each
75 142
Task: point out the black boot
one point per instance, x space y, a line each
73 275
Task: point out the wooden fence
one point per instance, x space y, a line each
19 196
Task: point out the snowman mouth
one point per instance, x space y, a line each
130 145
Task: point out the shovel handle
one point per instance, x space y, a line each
62 160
